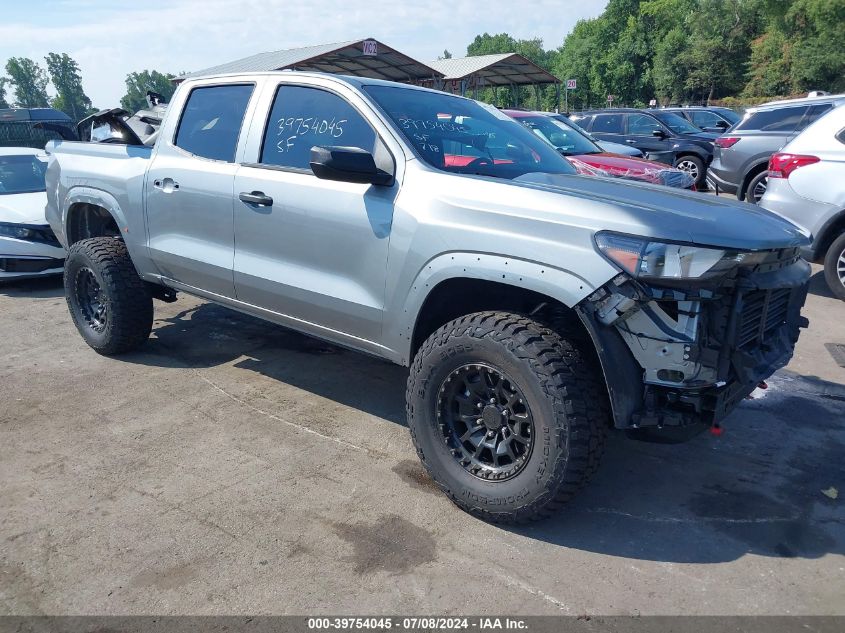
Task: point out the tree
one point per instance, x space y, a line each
29 81
70 97
532 49
446 54
3 102
137 85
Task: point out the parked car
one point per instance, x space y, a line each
741 158
708 118
534 307
588 157
28 247
33 127
607 146
663 136
807 187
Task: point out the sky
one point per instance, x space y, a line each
110 38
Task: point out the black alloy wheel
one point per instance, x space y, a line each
485 421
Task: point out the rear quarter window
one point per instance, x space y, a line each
779 120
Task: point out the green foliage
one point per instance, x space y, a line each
689 51
29 81
137 85
70 97
3 102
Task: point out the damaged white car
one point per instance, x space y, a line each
28 247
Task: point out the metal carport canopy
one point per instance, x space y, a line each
362 58
503 69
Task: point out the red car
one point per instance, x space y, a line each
589 159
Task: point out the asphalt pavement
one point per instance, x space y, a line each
235 467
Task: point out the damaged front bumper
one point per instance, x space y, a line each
694 352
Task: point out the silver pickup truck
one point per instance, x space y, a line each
535 308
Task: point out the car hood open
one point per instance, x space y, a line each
23 208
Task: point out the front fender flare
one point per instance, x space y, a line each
560 284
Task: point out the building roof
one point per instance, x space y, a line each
502 69
346 58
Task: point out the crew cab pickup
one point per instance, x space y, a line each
536 308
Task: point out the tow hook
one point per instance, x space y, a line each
716 430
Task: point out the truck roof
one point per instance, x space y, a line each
356 81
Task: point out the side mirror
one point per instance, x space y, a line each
347 164
658 133
722 125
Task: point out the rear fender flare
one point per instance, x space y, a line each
98 198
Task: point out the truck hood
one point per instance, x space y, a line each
673 214
23 208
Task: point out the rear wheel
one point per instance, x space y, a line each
108 302
757 187
507 417
834 267
693 166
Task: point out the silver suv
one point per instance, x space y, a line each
807 187
535 308
742 154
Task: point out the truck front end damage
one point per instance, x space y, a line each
698 343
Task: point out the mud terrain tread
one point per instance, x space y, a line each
565 378
130 302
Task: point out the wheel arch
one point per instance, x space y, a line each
833 228
472 282
91 212
751 173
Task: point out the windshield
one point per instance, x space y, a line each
677 124
564 138
466 137
22 173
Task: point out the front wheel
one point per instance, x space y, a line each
508 418
834 267
108 302
693 166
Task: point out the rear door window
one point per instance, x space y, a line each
212 119
607 124
778 120
302 117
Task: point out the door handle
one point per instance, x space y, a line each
257 198
630 140
166 184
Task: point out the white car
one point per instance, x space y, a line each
28 247
807 187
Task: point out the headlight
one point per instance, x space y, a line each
646 259
17 231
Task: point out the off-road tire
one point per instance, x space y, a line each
564 392
128 315
834 259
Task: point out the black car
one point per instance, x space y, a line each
662 136
708 118
33 127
